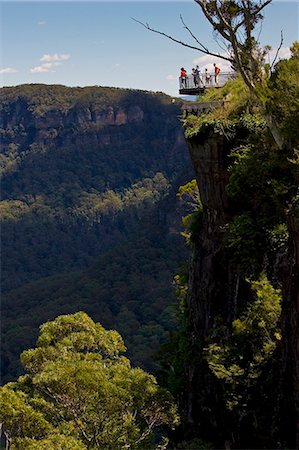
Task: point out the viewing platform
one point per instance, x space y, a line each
187 86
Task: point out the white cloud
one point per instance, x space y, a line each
51 61
41 22
39 69
8 70
171 77
207 61
46 67
55 57
284 53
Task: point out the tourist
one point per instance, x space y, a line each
183 77
207 77
198 75
194 74
217 72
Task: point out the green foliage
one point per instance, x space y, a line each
207 124
239 360
243 235
261 185
57 441
128 288
239 111
236 96
87 213
19 418
241 351
44 98
283 103
174 353
91 396
216 123
190 196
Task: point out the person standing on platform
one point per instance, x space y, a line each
207 77
217 72
194 74
183 77
198 75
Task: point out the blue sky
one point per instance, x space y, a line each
97 43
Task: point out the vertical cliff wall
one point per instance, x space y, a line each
211 284
217 293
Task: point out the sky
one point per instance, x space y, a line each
89 43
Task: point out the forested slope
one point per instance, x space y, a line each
89 177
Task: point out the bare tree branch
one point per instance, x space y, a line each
262 6
208 16
235 21
278 50
194 37
207 52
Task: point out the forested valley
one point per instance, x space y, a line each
89 180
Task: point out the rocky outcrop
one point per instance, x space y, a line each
208 281
23 126
216 291
211 282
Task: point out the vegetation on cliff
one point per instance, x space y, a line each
239 374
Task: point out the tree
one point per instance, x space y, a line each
234 22
80 392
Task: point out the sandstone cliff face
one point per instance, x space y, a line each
211 281
215 289
209 158
19 122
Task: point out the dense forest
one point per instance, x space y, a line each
94 182
89 179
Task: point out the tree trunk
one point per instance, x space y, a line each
290 333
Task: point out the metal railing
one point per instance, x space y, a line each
205 80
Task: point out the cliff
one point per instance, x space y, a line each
222 400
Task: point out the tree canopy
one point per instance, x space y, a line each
80 392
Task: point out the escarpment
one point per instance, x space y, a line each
209 156
236 240
56 115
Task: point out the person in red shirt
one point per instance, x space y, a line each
183 76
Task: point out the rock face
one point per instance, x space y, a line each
215 290
209 159
211 281
19 121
